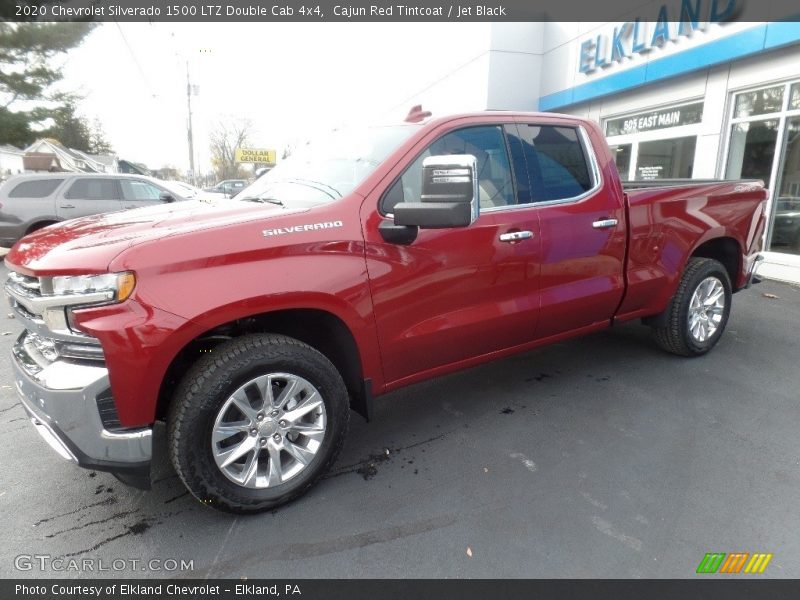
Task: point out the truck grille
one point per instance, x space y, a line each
25 283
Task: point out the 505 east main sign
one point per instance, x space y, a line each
638 37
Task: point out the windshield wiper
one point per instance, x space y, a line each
262 199
316 184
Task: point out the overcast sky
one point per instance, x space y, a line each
288 78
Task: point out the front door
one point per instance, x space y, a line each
455 294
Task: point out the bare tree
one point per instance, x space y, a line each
226 137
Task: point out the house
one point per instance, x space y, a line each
11 161
67 159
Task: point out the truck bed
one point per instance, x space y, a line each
674 183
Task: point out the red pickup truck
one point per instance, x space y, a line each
369 260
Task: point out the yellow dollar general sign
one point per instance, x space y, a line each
255 155
719 562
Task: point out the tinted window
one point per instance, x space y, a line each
622 158
93 189
752 149
487 144
133 189
38 188
760 102
556 162
666 159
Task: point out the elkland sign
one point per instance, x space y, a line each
640 37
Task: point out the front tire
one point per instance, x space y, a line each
256 423
696 317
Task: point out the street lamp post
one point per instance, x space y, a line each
191 137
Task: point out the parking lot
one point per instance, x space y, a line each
598 457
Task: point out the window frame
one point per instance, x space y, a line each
591 162
114 182
59 183
161 191
586 146
783 115
501 125
634 139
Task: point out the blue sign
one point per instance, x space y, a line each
636 37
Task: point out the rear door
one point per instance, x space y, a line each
88 196
455 294
582 227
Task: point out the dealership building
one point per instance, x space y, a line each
681 90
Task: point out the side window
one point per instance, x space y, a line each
133 189
93 189
37 188
486 143
556 162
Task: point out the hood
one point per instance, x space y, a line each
89 244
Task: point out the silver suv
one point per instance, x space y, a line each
31 201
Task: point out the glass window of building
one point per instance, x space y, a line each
786 227
622 158
764 143
666 159
656 144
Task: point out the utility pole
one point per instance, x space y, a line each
191 139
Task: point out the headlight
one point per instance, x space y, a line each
118 285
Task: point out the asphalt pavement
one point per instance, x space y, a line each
597 457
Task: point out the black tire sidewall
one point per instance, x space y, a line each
193 449
710 268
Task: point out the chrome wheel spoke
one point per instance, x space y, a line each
275 473
231 455
264 385
250 469
312 432
292 388
299 453
242 402
227 430
305 406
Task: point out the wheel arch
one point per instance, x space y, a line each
322 330
725 249
39 224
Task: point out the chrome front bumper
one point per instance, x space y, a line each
61 400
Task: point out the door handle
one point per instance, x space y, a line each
605 223
67 206
516 236
130 206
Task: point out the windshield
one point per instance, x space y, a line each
182 189
326 169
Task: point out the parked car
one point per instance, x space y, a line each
229 187
786 230
380 258
191 192
31 201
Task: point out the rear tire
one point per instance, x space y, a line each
256 423
696 317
